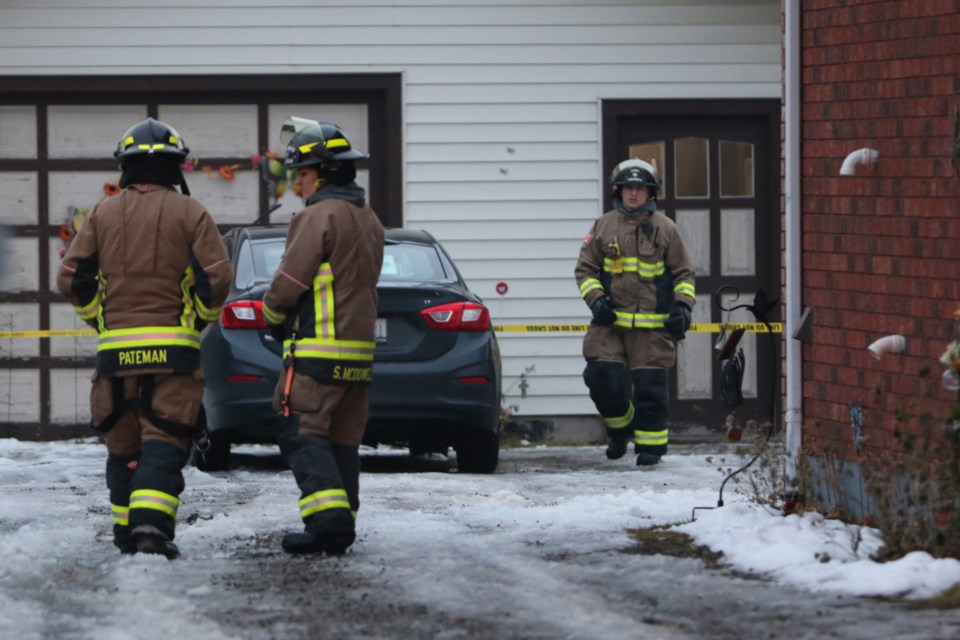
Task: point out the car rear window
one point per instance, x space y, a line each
259 259
413 262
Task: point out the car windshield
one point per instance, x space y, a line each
402 262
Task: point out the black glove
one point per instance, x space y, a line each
603 313
279 332
679 321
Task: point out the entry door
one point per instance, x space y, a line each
720 174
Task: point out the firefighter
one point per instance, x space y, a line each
322 304
148 271
637 278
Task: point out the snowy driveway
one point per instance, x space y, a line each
538 550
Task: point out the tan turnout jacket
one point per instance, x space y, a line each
643 268
147 270
325 290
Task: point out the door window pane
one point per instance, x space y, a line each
737 246
694 380
736 169
692 168
694 226
651 152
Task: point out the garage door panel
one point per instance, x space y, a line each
18 132
214 131
89 131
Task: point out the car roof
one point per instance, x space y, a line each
391 234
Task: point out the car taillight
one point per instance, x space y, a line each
458 316
243 314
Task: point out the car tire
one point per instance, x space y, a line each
217 457
478 452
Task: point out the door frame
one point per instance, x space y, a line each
616 114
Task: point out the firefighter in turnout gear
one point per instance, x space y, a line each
637 278
322 304
148 271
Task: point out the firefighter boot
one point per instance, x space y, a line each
151 540
320 541
650 431
154 497
324 503
647 459
120 470
617 444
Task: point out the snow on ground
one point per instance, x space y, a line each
55 522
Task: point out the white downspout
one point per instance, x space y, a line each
794 409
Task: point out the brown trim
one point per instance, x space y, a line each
381 92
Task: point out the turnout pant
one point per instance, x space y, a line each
151 419
647 355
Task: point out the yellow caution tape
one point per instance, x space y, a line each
704 327
51 333
707 327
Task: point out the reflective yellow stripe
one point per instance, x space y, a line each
335 143
148 337
634 265
90 310
323 302
629 320
187 283
686 288
589 285
651 438
207 314
621 421
332 349
323 500
101 325
156 500
271 316
121 515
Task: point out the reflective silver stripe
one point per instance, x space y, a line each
323 500
332 349
156 500
651 438
323 302
621 421
121 514
147 337
589 285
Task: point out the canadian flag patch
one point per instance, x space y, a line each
588 239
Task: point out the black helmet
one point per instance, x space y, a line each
309 142
635 171
151 139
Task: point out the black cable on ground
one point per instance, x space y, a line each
759 309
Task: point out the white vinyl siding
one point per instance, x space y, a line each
502 154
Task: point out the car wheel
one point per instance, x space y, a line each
478 452
217 457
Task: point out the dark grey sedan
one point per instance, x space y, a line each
436 373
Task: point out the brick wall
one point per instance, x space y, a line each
881 250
